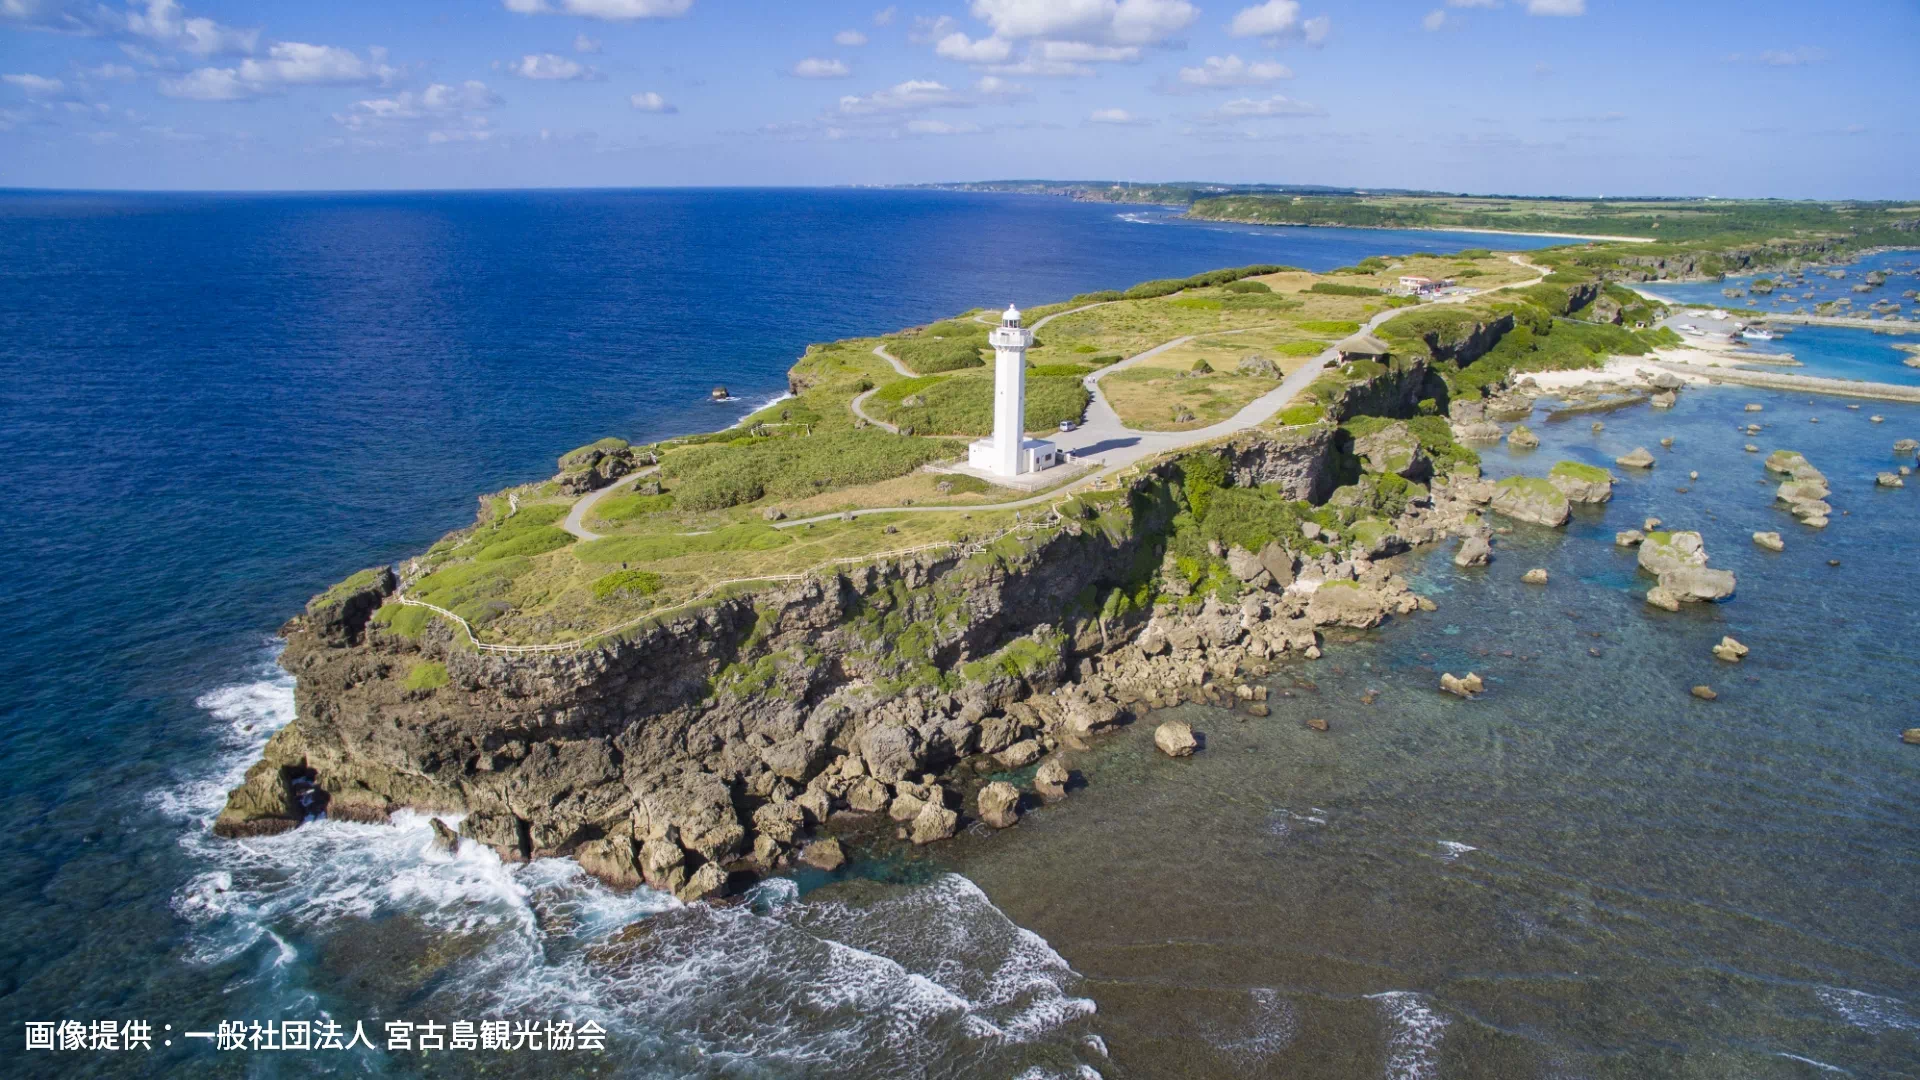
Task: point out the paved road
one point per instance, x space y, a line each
575 522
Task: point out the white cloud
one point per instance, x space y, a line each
1230 70
884 17
652 102
940 127
119 72
552 67
1317 29
987 50
1114 22
814 67
1792 57
1435 19
34 85
1557 7
584 44
851 39
1271 19
1276 105
437 100
993 86
928 29
1473 3
288 63
1113 116
913 95
609 10
165 22
444 112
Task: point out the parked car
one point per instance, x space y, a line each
1067 425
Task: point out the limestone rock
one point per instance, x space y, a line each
612 860
868 795
1753 407
444 838
1244 564
1581 483
1175 739
1531 499
1704 693
1461 686
1697 584
1638 458
663 865
1889 480
708 881
1535 576
1086 716
1347 603
1730 650
1665 399
1317 723
1663 551
999 804
1051 780
1024 752
1911 736
1395 449
1523 438
1474 551
1769 540
1783 461
1906 446
1629 538
824 854
1661 598
935 822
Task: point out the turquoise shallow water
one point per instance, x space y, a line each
1585 872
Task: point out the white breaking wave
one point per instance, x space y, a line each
1270 1028
1868 1012
767 404
926 980
1413 1042
1451 850
1821 1065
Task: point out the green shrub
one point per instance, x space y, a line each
454 587
1201 367
1294 415
1329 326
751 536
1436 439
1059 371
638 582
536 541
965 406
406 620
577 458
1302 348
504 529
1248 287
1266 301
628 507
716 477
427 675
1198 303
1200 476
1335 289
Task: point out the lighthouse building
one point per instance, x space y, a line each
1009 452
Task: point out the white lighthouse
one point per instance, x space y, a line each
1009 452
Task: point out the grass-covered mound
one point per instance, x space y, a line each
964 406
529 532
716 477
944 346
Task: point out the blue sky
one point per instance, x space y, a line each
1511 96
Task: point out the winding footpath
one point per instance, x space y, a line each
576 520
1104 440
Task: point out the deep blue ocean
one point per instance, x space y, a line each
214 406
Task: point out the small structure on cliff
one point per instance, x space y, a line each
1362 346
1009 452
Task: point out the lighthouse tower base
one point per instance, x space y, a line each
1035 455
